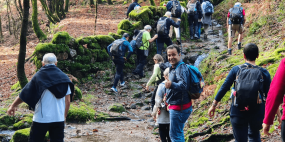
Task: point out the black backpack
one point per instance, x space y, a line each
176 9
249 87
162 67
138 39
236 15
116 47
161 26
208 9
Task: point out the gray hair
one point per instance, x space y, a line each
166 72
147 27
168 14
49 58
159 58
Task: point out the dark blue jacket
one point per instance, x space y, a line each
230 22
230 80
123 49
131 7
48 77
169 22
179 85
169 7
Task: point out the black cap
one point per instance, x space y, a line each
125 35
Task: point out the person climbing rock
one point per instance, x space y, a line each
49 93
247 108
142 51
119 59
194 13
207 10
235 21
163 27
177 98
132 7
159 113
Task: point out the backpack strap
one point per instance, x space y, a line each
181 95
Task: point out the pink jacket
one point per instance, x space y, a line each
275 95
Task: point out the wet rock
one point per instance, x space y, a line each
3 137
117 108
72 53
190 57
145 108
133 106
137 95
147 101
148 94
140 104
62 56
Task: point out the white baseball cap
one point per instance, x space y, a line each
237 4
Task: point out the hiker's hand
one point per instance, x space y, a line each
167 83
11 110
155 36
211 111
178 19
125 58
266 129
146 88
154 118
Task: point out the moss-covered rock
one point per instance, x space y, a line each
102 55
24 123
114 35
9 120
77 93
124 24
61 38
43 48
117 108
16 86
3 127
144 14
121 32
23 135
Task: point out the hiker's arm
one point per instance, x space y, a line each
108 48
12 108
199 10
176 25
158 99
152 39
67 105
227 22
181 85
154 75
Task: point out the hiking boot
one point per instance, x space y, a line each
229 51
195 36
114 89
205 36
191 38
122 84
239 46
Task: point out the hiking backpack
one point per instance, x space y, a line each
162 67
116 47
236 15
196 82
161 27
208 9
176 8
138 39
249 87
191 8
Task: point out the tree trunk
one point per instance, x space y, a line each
20 6
1 33
23 41
96 7
18 9
57 12
62 11
92 5
52 18
36 26
8 15
110 2
66 5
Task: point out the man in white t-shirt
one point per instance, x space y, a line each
52 91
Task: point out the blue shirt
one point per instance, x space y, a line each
123 48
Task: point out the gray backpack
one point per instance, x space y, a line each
161 27
116 47
138 39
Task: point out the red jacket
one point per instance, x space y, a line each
275 95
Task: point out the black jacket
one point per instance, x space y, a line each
48 77
169 22
131 7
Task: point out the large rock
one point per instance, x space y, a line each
22 135
117 108
145 108
72 52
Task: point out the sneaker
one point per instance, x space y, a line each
114 90
229 51
195 36
191 38
205 36
239 46
122 84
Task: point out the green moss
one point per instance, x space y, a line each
253 28
265 61
28 119
121 32
225 119
61 38
144 14
8 120
104 39
200 121
125 25
117 108
36 26
272 69
16 86
138 25
43 48
3 127
102 55
23 135
77 93
114 35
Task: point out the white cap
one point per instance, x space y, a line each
237 4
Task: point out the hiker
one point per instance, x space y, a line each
159 113
194 13
163 27
177 84
247 108
207 10
132 7
235 22
274 99
49 93
142 51
119 58
133 45
176 11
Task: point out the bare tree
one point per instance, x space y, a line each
1 33
96 7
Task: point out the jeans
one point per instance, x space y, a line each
141 63
246 125
199 29
177 121
39 130
119 63
193 24
164 132
283 130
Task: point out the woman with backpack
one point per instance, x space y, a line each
160 111
207 10
194 13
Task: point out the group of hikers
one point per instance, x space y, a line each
255 99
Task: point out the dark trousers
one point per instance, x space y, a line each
39 130
193 24
164 132
246 125
119 63
160 45
283 131
141 63
153 97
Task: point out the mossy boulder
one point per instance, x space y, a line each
124 24
114 35
104 40
43 48
3 127
24 123
22 135
16 86
9 120
61 38
117 108
77 93
121 32
102 55
144 14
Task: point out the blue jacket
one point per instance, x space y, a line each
169 22
169 7
123 49
180 83
230 80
